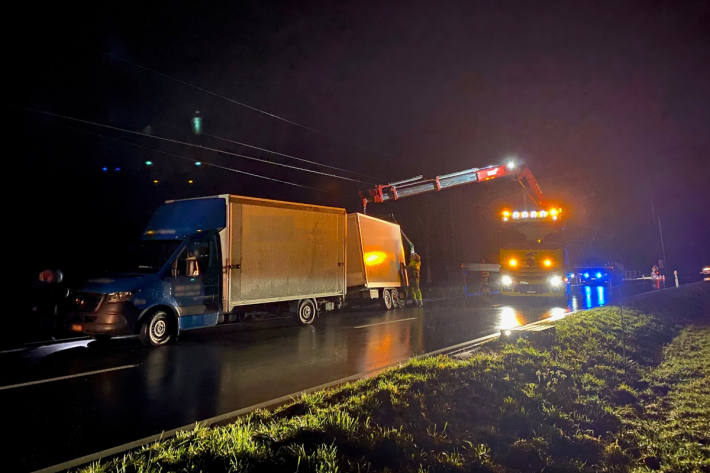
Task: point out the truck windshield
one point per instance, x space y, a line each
532 235
147 256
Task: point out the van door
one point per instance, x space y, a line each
195 282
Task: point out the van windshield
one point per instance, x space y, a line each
147 256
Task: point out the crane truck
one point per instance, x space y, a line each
532 254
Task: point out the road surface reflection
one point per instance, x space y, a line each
213 371
521 311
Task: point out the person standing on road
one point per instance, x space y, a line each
415 266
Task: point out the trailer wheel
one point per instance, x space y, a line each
387 299
156 329
307 312
395 298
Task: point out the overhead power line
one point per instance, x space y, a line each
277 153
242 104
191 145
266 150
204 163
215 94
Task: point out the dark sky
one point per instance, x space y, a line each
607 102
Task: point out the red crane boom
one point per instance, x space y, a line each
420 185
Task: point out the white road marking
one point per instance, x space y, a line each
35 345
386 322
60 378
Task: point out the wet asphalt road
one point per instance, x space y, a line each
126 392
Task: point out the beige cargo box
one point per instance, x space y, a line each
375 252
283 251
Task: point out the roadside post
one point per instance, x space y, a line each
623 330
675 275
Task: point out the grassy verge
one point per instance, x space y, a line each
671 429
599 399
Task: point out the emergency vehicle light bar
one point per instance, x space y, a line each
551 214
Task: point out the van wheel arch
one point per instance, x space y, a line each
172 315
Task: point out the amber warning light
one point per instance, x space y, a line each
373 258
527 215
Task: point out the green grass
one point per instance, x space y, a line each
671 431
599 399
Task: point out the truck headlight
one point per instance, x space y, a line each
121 296
506 280
555 281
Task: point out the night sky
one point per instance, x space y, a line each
607 102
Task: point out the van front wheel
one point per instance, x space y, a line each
156 329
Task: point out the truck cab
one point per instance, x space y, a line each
533 259
532 272
170 281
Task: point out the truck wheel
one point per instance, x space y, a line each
387 299
307 312
395 298
156 329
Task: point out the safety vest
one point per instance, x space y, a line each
415 268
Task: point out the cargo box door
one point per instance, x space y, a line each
382 252
342 256
235 254
356 269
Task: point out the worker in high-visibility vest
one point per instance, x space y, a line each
414 267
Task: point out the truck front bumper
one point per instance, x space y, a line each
522 293
109 319
533 288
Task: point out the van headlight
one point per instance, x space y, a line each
122 296
555 281
506 280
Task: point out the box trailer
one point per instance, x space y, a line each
200 261
375 260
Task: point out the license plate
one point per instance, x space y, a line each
77 328
531 292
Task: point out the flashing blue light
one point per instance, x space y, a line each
104 169
598 275
117 169
149 163
570 275
586 275
198 163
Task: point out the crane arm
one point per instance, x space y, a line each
420 185
527 180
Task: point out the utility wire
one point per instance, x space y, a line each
204 163
241 104
247 145
191 145
215 94
266 150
